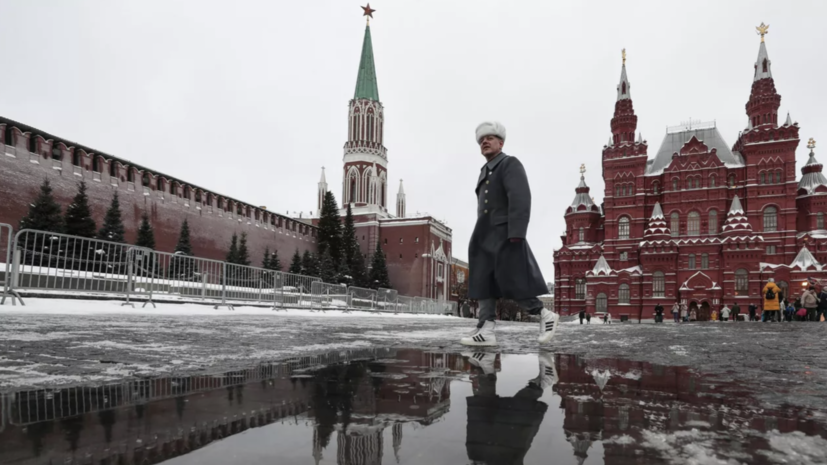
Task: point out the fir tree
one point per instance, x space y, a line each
379 270
274 263
265 262
343 274
146 236
112 229
243 253
309 267
327 269
232 254
354 261
78 221
296 264
359 271
330 228
44 213
182 266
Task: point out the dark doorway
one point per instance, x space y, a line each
704 312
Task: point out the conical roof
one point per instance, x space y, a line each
760 72
812 178
582 195
366 85
657 213
624 89
736 207
736 221
401 189
602 266
805 260
789 121
658 229
322 180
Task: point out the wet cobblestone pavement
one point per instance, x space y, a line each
104 388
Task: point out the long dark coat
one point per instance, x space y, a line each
497 266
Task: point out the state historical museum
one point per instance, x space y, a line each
701 222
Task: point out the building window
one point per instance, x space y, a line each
762 179
658 284
770 219
712 181
400 240
623 294
602 302
386 241
581 235
624 256
693 224
416 239
778 177
741 281
731 180
820 221
580 289
705 261
713 222
770 250
439 269
675 184
692 261
655 188
76 159
623 227
618 191
675 225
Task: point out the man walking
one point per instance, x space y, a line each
809 300
500 260
822 304
752 309
582 316
658 313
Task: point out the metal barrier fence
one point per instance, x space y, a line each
363 299
47 262
326 296
6 247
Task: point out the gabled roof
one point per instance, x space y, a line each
673 142
602 266
805 260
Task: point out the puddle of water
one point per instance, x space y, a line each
406 406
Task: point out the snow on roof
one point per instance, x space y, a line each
657 213
672 143
805 260
602 266
736 207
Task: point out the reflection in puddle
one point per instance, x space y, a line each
389 406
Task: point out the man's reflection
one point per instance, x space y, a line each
501 429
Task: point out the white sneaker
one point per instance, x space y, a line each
548 372
483 337
482 360
548 325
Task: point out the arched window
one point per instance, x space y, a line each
705 261
658 284
602 302
770 219
675 224
741 282
763 67
618 191
778 177
352 197
762 179
631 189
623 227
731 180
712 181
692 264
693 224
713 222
580 289
655 187
820 220
674 184
623 294
581 235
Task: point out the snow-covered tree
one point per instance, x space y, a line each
330 228
327 269
44 213
243 252
296 263
146 235
78 220
112 228
182 266
232 254
274 263
352 254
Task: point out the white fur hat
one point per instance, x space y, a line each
490 128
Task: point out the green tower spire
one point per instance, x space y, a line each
366 87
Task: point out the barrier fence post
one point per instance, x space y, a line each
130 271
9 276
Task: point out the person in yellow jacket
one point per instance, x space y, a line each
772 305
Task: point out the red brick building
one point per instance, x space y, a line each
702 221
29 155
418 249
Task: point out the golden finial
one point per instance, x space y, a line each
811 144
763 30
582 169
623 53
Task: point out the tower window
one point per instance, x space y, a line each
764 65
705 261
675 224
623 294
741 281
692 261
770 219
693 224
820 221
778 177
624 256
658 284
770 250
675 184
713 222
712 181
623 227
580 289
581 235
762 179
655 187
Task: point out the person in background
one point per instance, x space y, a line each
822 305
588 318
684 313
725 313
772 305
789 311
735 311
676 310
607 318
693 315
582 316
752 309
714 315
658 313
809 300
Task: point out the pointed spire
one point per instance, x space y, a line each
611 142
657 213
736 208
401 204
763 64
582 193
640 138
812 178
789 121
366 85
322 180
401 189
624 89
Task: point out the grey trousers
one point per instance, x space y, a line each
488 308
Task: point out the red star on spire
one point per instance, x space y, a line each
368 11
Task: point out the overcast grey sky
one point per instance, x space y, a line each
249 98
